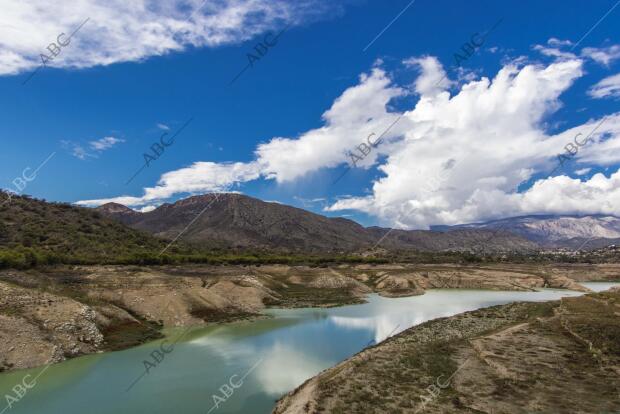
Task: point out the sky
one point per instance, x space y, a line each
394 113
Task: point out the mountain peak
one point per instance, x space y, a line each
115 208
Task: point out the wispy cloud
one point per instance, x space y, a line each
129 31
554 47
77 150
606 88
148 208
105 143
554 41
604 55
92 149
583 171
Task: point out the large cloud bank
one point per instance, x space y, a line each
458 155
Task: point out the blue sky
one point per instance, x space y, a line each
462 151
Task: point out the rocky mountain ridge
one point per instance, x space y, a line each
242 222
568 231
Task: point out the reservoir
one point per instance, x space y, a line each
241 367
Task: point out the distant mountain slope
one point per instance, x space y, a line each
555 231
239 221
65 230
472 240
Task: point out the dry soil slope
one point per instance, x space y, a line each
561 356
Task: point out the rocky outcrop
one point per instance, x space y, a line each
38 327
396 285
560 281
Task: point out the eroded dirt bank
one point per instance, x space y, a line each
54 314
554 357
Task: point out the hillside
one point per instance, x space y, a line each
34 231
461 240
233 229
239 221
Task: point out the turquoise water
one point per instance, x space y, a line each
240 367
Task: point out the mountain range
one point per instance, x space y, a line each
33 230
242 222
553 231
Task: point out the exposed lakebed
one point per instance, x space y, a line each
246 365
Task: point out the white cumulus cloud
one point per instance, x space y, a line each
359 112
492 132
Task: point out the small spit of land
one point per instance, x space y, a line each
52 314
553 357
